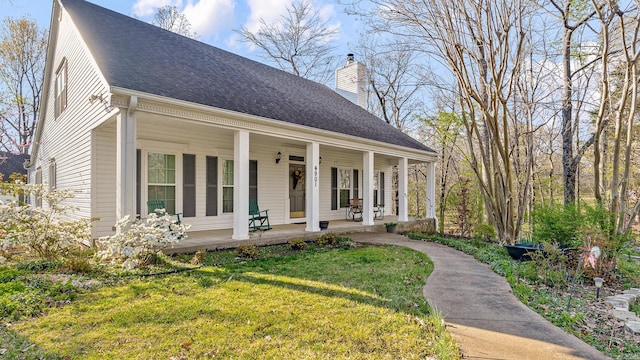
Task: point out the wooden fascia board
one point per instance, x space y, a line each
198 113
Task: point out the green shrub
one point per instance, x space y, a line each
7 275
297 244
150 258
248 251
484 232
557 224
635 307
10 288
39 265
198 257
7 307
328 239
77 265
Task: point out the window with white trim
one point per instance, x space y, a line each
161 179
227 186
61 88
344 184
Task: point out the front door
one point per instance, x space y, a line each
296 190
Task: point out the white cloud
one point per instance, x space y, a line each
234 42
208 16
327 12
270 11
148 7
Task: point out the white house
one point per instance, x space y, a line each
132 112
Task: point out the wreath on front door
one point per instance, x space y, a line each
298 177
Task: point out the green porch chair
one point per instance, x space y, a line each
258 220
154 205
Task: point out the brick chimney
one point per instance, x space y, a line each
351 81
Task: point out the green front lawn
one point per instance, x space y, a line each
363 302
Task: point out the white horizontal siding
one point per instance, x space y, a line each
105 179
67 139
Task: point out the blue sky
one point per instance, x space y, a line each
213 20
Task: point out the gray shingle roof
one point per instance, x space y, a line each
12 164
138 56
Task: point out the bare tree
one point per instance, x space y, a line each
300 42
447 131
170 18
395 81
481 42
22 59
573 15
620 29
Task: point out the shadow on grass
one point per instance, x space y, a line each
392 278
319 288
14 346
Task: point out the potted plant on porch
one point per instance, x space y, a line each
391 226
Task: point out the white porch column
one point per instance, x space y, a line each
312 201
367 188
403 184
431 192
126 162
240 185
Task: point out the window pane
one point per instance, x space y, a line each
227 174
153 176
227 199
165 193
154 161
161 168
375 181
344 198
152 194
345 179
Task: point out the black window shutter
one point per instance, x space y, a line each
253 180
212 186
381 187
188 185
356 186
138 177
334 188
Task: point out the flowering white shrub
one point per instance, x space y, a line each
141 237
13 188
47 232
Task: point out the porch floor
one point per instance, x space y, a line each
279 234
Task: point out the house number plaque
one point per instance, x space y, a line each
315 176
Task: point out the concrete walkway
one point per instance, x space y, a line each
484 317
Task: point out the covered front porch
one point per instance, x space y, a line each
281 234
209 171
